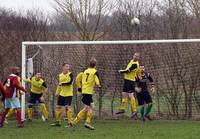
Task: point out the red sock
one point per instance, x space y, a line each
2 117
18 117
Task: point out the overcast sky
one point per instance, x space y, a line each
23 5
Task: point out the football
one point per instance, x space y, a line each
135 21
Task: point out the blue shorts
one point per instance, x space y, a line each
12 103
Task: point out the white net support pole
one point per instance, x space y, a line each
23 74
56 43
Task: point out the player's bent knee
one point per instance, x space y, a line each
125 94
90 109
131 97
59 107
42 101
69 108
86 108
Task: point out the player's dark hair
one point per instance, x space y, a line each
65 64
15 69
93 62
36 72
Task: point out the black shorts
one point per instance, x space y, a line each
35 98
144 98
64 101
87 99
129 86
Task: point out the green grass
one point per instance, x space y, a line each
108 129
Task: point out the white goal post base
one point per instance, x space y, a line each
53 43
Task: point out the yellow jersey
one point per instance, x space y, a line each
87 80
20 84
65 87
79 80
132 70
37 86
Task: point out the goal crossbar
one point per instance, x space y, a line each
47 43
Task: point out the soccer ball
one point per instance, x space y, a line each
135 21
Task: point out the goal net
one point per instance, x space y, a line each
173 64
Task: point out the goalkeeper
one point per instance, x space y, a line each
38 90
143 96
132 70
85 82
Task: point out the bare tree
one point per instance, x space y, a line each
86 16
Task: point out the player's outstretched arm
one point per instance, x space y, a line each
28 80
129 69
150 78
78 81
17 84
97 80
46 90
69 82
58 90
152 83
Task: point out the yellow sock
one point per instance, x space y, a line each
133 105
10 112
69 115
44 111
124 103
88 118
78 117
30 113
58 114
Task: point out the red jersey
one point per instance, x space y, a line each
13 85
2 91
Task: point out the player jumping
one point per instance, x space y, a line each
38 90
144 97
11 96
130 73
65 93
85 82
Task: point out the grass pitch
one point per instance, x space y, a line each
107 129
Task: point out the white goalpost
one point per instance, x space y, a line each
25 45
